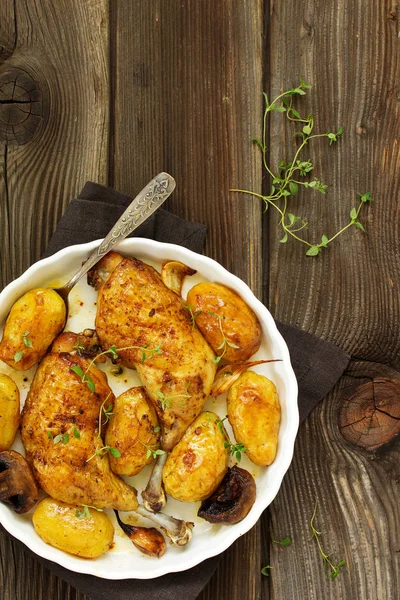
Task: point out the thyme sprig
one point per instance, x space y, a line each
113 350
223 345
105 413
334 569
115 453
287 179
165 401
220 423
27 341
151 452
190 308
235 449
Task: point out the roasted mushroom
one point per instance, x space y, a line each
17 485
232 500
146 539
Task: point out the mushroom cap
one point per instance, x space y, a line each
232 500
17 485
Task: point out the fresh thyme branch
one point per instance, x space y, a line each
288 177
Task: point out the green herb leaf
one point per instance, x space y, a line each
306 129
76 433
285 542
265 570
313 251
156 429
324 241
77 370
360 226
335 569
90 383
235 449
284 239
18 356
353 214
277 108
220 423
114 452
366 197
293 187
49 435
65 438
258 142
232 345
113 351
58 438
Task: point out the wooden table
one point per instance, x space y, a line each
117 90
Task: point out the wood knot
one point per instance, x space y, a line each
370 417
21 107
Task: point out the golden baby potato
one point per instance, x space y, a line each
59 525
33 323
228 324
254 413
198 463
133 430
9 412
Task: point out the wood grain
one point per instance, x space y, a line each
349 295
187 90
185 82
40 177
64 49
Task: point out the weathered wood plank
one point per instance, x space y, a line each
188 81
349 295
7 29
187 90
64 48
358 513
68 58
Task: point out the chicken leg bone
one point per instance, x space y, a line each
154 495
178 531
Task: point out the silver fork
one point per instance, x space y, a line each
146 202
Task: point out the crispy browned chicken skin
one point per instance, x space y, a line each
135 308
60 403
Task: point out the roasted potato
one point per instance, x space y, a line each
133 430
9 411
198 463
228 324
33 323
60 525
254 413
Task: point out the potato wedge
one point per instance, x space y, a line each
228 324
33 323
254 413
130 430
198 463
9 412
59 525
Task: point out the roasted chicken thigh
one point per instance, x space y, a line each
60 435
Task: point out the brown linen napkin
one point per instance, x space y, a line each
317 364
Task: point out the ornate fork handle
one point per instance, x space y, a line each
146 202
